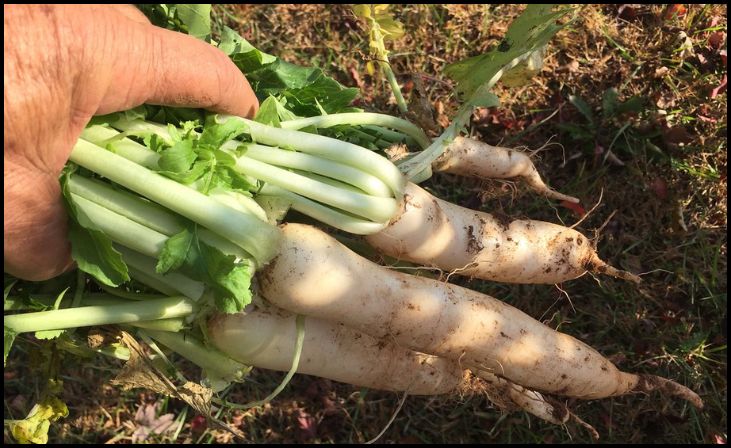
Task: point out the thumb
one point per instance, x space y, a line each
157 66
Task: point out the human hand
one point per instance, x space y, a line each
64 64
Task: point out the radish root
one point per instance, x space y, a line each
316 275
473 158
436 233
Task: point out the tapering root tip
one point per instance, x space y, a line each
649 383
533 179
560 196
594 433
598 266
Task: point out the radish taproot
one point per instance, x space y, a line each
433 232
473 158
264 338
313 274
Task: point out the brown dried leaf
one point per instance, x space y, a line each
139 371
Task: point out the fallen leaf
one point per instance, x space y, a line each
148 423
706 119
721 87
356 77
674 11
660 188
716 39
198 424
306 425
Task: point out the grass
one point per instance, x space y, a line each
670 199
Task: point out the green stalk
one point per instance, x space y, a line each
345 173
375 208
168 325
361 119
86 316
147 214
133 207
386 69
142 268
116 142
360 137
338 219
148 279
253 235
122 230
326 147
414 167
142 128
209 359
391 136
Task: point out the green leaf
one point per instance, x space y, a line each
634 104
175 252
391 29
609 102
303 87
159 14
231 280
268 112
188 177
485 99
90 247
174 134
197 19
178 158
9 338
529 32
34 428
583 108
362 10
174 115
53 334
521 74
216 134
8 288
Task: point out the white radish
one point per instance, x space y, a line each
473 158
433 232
265 338
315 275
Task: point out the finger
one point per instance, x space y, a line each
158 66
35 225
